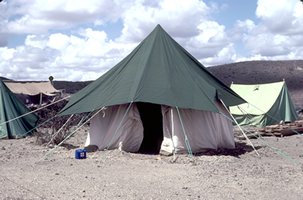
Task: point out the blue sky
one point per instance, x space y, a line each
80 40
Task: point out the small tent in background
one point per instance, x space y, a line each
158 84
267 104
10 108
33 92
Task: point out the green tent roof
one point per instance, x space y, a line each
10 108
157 71
264 102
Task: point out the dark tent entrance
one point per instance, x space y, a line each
151 117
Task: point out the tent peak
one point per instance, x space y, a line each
159 71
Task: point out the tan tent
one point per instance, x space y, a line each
33 92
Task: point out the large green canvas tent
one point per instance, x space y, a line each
160 80
10 108
268 104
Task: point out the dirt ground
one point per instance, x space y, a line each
223 174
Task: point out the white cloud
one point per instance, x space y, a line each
37 17
212 45
278 35
39 41
225 55
247 25
66 39
281 16
7 53
179 18
88 53
61 42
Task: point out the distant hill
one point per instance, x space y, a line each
4 79
259 72
71 87
249 72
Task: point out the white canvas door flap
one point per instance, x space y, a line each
225 128
104 125
204 130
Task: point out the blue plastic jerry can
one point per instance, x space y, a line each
80 154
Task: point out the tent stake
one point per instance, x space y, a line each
173 133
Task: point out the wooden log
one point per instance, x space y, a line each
288 131
278 134
261 130
298 123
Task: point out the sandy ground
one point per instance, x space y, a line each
221 174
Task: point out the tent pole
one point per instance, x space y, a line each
186 139
240 129
173 132
40 99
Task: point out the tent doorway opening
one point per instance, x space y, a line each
151 117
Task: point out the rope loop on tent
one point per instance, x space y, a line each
265 142
186 139
116 131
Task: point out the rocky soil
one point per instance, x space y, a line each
32 171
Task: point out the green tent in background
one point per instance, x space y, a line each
155 83
10 108
268 104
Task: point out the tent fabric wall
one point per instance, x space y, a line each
105 124
204 129
10 108
267 104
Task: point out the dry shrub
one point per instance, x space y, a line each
47 133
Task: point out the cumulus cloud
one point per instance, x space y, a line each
281 16
278 35
179 18
210 40
67 39
37 17
86 51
